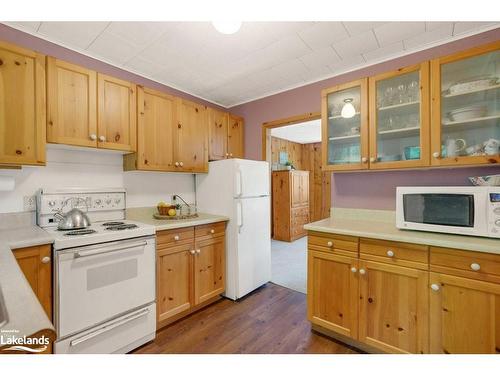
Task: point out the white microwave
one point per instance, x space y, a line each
468 210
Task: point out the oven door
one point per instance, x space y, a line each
99 282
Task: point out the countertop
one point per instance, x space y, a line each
25 314
145 215
382 225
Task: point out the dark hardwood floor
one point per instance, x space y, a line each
270 320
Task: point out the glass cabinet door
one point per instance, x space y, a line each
345 126
399 118
466 112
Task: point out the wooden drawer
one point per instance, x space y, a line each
329 242
210 230
404 254
471 264
173 237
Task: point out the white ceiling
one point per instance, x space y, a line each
304 132
262 58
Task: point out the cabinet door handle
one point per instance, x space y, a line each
475 267
192 252
435 287
176 163
364 159
372 160
102 138
176 238
198 251
231 154
46 260
436 155
390 253
227 154
93 137
181 163
329 244
362 271
212 231
354 269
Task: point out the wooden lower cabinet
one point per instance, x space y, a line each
393 307
464 315
190 270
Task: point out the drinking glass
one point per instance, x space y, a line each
389 96
413 91
402 96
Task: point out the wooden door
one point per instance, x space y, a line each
235 137
191 139
116 120
209 269
393 310
71 104
332 292
464 315
174 280
399 118
22 106
155 129
217 134
36 264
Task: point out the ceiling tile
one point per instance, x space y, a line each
30 26
140 65
359 27
321 57
347 64
429 26
73 34
396 31
140 33
113 48
290 69
323 34
462 27
316 74
384 52
428 37
356 45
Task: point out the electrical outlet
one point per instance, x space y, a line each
29 203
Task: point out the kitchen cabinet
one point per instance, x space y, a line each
36 264
399 118
235 137
191 137
393 312
290 204
465 107
71 104
22 106
116 113
190 270
345 135
218 134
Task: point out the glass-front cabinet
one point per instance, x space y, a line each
345 126
466 107
399 118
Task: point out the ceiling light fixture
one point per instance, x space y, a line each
227 27
348 109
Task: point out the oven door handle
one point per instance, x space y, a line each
109 327
86 253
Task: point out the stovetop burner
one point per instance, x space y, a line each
121 227
112 223
80 232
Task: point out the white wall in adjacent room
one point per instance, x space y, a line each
78 167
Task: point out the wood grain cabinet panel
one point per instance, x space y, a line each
209 269
218 134
393 313
464 315
116 115
235 137
71 104
22 106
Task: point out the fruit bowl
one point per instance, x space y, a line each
163 210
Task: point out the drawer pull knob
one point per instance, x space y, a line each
329 244
45 260
362 271
176 237
390 253
198 251
475 267
354 270
212 231
435 287
192 252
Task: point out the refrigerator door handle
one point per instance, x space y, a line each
239 216
239 183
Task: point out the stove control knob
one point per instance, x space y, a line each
98 202
497 223
117 200
108 201
497 210
52 203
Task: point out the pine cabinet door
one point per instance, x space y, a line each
235 137
155 129
209 269
116 118
217 134
71 104
464 315
191 140
22 106
393 313
174 285
332 292
36 264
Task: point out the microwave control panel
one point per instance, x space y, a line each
494 213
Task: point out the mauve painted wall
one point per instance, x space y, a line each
9 34
373 190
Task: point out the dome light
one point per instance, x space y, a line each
227 27
348 109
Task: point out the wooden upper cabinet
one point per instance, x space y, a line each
116 119
235 137
191 137
466 107
464 315
22 106
71 104
393 310
155 130
345 135
399 118
217 134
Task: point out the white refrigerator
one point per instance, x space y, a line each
239 189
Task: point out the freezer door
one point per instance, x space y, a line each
251 178
253 244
